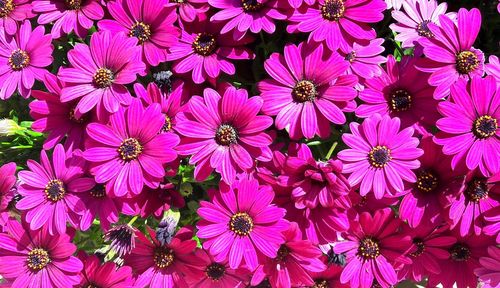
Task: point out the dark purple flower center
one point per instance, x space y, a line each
485 127
103 78
321 283
73 118
92 285
19 59
241 223
168 124
477 190
400 100
6 6
37 259
427 182
303 91
55 190
351 56
467 62
226 135
283 253
73 4
215 271
204 44
130 149
333 10
98 191
423 29
141 31
163 257
369 248
459 252
121 238
419 243
251 5
379 156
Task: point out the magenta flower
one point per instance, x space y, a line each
150 21
22 59
338 22
12 12
95 274
240 16
330 277
401 91
7 182
153 202
224 133
493 68
98 203
206 53
450 55
365 60
50 190
128 155
68 16
374 247
35 258
412 23
188 10
304 93
492 223
489 272
240 222
99 72
470 124
380 154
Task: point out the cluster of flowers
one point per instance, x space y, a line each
412 194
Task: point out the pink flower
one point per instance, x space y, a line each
13 12
394 4
188 10
50 190
493 68
98 203
154 202
7 182
380 154
224 133
489 272
304 93
492 223
95 274
127 155
365 60
150 21
22 59
98 80
329 278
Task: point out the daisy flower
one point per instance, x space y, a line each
99 73
150 21
35 258
449 54
470 125
489 272
224 133
7 182
50 190
153 202
240 222
12 12
95 274
121 238
98 203
22 59
329 278
493 68
68 15
304 93
380 155
365 60
127 155
188 10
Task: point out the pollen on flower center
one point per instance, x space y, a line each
163 257
304 90
283 252
241 223
55 190
91 285
103 78
19 59
351 56
215 271
400 100
485 127
379 156
251 5
130 149
427 182
423 29
333 10
226 135
73 118
6 6
73 4
369 248
141 31
37 259
168 124
467 62
98 191
420 247
321 283
204 44
477 190
459 252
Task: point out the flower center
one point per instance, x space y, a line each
351 56
73 118
460 252
304 91
400 100
177 1
427 182
485 127
92 285
251 5
379 156
321 283
19 59
98 191
283 252
73 4
37 259
130 149
241 223
477 190
420 247
204 44
333 10
168 124
423 29
163 257
369 248
226 135
141 31
55 190
6 6
467 62
215 271
103 78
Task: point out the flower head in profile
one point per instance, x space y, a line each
121 238
7 182
12 12
108 274
489 272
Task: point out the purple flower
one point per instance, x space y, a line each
489 272
188 10
7 182
365 60
98 203
493 68
12 12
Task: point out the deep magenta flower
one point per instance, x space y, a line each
374 248
68 15
224 133
449 54
12 12
126 154
99 72
492 223
97 203
240 222
470 124
95 274
22 59
365 60
489 272
380 156
401 91
188 10
493 68
153 202
330 277
150 21
50 190
304 93
7 182
35 258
